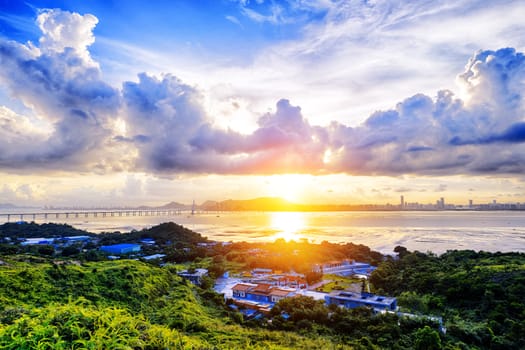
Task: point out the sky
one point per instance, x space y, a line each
110 103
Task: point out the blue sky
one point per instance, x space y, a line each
314 100
220 29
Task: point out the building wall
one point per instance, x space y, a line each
118 249
238 294
257 297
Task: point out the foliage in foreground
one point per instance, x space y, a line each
122 305
81 326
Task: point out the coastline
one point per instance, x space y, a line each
436 231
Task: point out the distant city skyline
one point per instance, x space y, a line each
224 204
117 103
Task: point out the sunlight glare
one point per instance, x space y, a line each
288 225
290 187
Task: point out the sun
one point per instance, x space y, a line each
291 187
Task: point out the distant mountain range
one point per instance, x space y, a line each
170 205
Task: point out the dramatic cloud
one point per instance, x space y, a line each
160 125
61 30
161 116
421 135
62 85
437 136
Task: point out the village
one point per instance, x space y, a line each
255 293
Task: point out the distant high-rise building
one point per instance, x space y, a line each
402 202
470 203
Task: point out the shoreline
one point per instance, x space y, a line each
381 233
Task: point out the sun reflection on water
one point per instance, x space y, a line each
288 225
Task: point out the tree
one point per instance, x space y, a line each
401 251
427 339
69 251
313 277
46 250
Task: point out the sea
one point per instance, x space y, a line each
434 231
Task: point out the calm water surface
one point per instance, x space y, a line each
425 231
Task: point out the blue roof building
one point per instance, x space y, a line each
124 248
194 277
77 238
346 268
34 241
352 300
149 241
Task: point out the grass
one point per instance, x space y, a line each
340 283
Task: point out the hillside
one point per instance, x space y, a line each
32 230
121 304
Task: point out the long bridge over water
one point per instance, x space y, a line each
43 215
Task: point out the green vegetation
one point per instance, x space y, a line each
342 283
121 305
68 296
298 256
479 294
16 231
360 327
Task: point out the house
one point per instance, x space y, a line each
244 304
118 249
345 268
292 281
352 300
153 257
260 296
259 272
277 294
240 289
194 277
34 241
147 241
260 292
77 238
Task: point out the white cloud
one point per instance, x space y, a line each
62 29
63 86
234 20
367 56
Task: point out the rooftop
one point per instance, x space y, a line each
242 287
121 245
262 288
280 292
363 297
